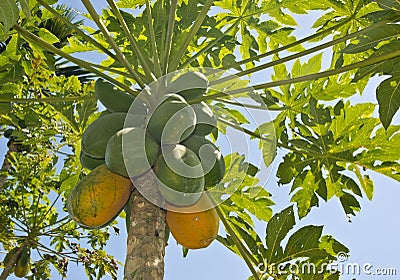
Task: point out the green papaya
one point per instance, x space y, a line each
206 121
172 121
131 152
89 162
191 85
211 159
22 265
115 100
179 174
97 134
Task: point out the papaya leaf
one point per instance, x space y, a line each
8 14
372 38
389 4
307 251
277 229
338 142
268 144
388 96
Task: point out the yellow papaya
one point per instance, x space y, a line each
99 197
194 226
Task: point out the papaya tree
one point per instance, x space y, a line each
174 79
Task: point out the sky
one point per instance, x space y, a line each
372 235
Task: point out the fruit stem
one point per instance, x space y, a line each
242 249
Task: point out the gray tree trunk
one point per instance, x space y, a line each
146 234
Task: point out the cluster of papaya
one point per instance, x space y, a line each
22 265
130 138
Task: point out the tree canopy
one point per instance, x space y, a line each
328 144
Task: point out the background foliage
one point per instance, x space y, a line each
329 144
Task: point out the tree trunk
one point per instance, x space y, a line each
12 147
146 233
10 264
6 166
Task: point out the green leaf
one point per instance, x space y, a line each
350 204
373 38
277 229
389 4
268 148
47 36
131 4
388 96
305 243
8 14
25 8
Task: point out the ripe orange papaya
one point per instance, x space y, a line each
195 226
99 197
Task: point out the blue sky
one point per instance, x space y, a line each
372 235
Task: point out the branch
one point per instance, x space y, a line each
195 27
246 255
77 29
132 41
156 59
107 35
170 33
286 47
32 38
8 267
305 78
298 55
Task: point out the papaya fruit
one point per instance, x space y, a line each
22 266
115 100
88 162
211 159
172 121
191 85
97 134
98 197
206 122
179 174
195 226
131 152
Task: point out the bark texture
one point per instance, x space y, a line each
6 166
146 233
12 147
8 267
